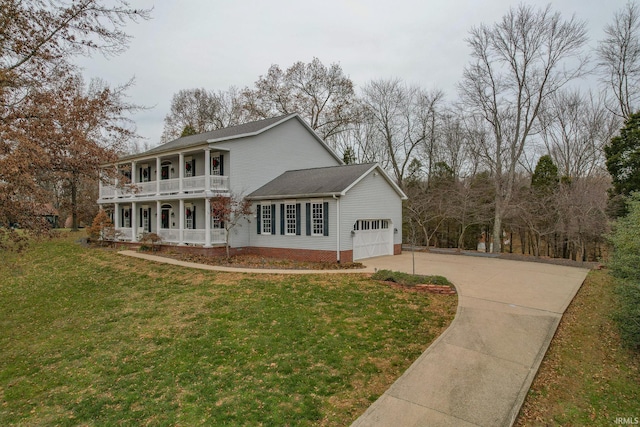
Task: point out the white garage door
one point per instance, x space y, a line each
372 237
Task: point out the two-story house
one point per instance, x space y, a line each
306 203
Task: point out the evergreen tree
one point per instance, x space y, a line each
545 177
623 157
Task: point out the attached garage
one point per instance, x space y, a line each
371 238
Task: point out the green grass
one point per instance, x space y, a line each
587 378
93 338
409 279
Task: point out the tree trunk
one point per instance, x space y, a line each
497 228
74 203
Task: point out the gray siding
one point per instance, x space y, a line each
259 159
256 160
302 241
371 198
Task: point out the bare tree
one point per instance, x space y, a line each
195 111
399 121
322 95
575 128
518 63
619 55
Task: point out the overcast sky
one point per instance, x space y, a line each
216 44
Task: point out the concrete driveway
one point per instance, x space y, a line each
479 371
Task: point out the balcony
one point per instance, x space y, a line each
193 184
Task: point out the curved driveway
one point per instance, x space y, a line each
478 372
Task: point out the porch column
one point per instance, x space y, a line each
207 222
116 215
158 172
181 173
133 172
207 169
158 217
116 181
134 222
100 184
181 219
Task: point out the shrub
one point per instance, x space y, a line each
625 265
409 279
101 228
150 241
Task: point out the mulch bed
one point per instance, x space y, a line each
254 261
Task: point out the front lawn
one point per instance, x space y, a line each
90 337
587 378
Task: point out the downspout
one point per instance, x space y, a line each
338 226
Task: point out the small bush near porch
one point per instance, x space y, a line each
90 337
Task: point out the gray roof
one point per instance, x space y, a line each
316 182
245 129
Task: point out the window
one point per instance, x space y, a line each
190 217
317 219
216 165
267 220
189 167
290 219
216 224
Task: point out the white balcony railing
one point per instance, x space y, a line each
196 237
191 184
170 186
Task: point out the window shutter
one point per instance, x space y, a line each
282 218
259 218
141 223
122 217
193 167
140 179
149 221
298 220
221 165
149 173
273 219
325 217
193 218
308 217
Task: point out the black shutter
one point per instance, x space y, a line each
140 217
122 217
308 215
140 179
282 218
149 222
259 218
325 217
193 218
221 165
193 167
149 173
298 220
273 219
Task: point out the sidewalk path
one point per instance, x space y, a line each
478 372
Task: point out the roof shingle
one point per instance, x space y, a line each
312 182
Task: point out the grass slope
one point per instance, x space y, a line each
586 378
89 337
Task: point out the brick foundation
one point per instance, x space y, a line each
302 254
308 255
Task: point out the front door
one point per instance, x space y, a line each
164 220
